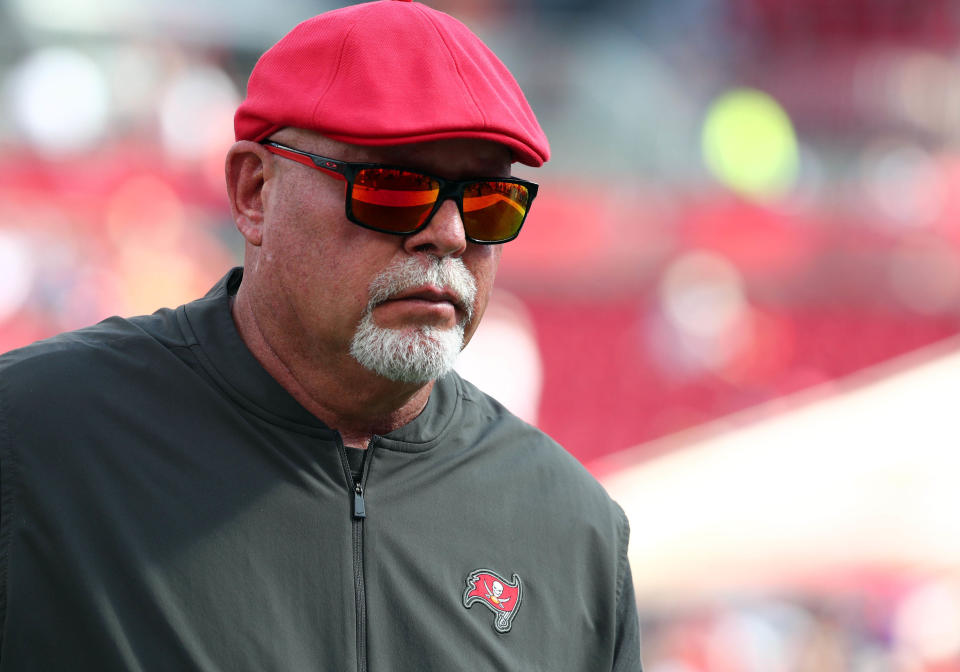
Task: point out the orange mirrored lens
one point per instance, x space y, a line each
494 211
399 201
393 200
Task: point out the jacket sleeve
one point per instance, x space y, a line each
626 655
6 510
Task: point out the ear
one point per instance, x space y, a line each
246 166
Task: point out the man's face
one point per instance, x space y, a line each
315 270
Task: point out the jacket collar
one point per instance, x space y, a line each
213 336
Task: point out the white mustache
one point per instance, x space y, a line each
446 273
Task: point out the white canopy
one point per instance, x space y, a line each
859 474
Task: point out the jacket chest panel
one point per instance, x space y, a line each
201 555
422 544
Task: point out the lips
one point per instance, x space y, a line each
430 294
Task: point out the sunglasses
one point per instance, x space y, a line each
396 200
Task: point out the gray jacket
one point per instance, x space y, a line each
166 505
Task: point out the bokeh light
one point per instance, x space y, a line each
707 314
59 99
749 144
928 621
16 260
702 294
902 182
135 73
193 110
503 358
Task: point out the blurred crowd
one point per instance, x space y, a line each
887 628
747 198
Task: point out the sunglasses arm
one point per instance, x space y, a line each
328 166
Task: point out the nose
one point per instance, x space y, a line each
443 236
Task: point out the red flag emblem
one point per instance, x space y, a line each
500 596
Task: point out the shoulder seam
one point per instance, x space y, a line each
9 468
623 559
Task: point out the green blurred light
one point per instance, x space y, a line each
749 144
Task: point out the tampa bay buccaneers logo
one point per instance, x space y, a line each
500 596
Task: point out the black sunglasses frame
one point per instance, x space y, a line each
449 189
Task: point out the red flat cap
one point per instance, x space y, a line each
389 73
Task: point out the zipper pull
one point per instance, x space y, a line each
359 509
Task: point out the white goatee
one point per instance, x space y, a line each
414 354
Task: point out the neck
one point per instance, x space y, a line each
335 388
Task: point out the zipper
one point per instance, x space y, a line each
358 514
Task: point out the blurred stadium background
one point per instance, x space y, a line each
736 300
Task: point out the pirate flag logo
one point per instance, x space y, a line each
500 596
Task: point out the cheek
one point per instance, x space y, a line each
484 266
301 253
303 225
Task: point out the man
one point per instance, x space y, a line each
286 474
